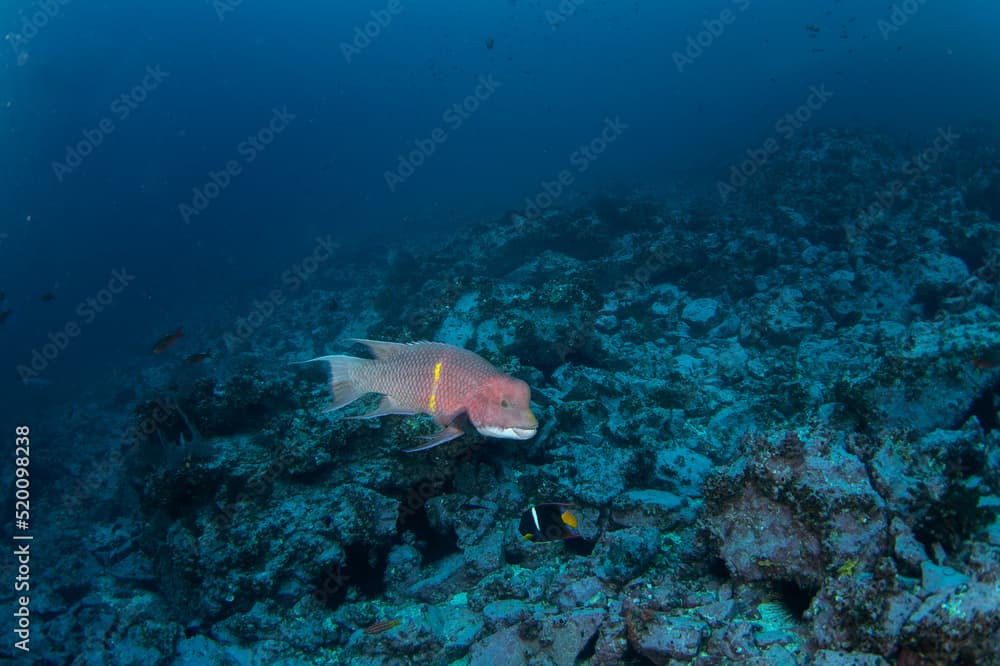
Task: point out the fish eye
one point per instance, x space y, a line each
504 402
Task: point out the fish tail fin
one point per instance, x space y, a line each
343 384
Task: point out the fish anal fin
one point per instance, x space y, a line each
385 407
440 437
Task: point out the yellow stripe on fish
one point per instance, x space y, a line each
432 403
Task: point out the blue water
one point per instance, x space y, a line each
226 66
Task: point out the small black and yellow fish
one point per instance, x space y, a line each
548 522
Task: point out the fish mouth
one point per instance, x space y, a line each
507 433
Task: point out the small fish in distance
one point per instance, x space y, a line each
380 627
195 359
167 340
450 384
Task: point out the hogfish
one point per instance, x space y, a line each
450 384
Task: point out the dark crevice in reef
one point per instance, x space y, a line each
795 597
329 588
363 569
718 569
984 408
581 547
589 650
633 658
412 502
367 565
930 300
985 196
963 462
512 556
956 515
432 544
952 519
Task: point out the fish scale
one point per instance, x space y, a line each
408 375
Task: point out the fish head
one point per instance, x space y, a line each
502 408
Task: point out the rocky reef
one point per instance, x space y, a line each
775 418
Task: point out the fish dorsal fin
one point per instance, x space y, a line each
378 348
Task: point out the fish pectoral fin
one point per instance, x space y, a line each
440 437
385 406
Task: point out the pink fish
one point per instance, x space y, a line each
448 383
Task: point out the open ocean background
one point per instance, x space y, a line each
274 177
229 64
